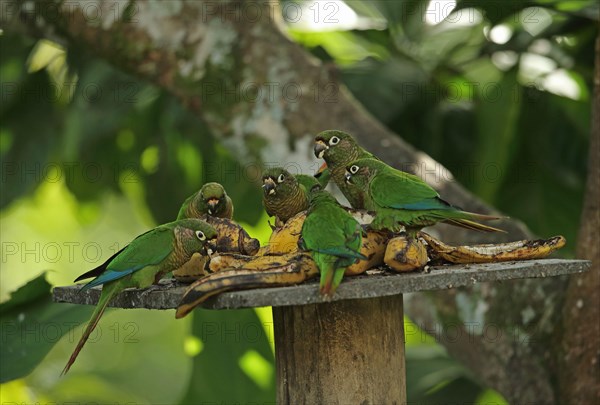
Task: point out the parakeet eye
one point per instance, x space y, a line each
334 140
353 169
281 178
200 235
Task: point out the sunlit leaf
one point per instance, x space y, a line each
45 54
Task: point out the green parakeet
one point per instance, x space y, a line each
333 237
143 262
338 149
285 195
210 200
402 199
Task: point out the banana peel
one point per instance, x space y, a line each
231 237
224 262
491 253
193 269
285 239
405 254
289 269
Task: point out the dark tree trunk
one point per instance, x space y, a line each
580 345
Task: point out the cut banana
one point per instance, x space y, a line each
232 238
405 254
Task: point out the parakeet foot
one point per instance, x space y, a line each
148 290
169 281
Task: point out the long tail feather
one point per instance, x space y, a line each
326 282
108 292
476 226
337 279
483 217
330 280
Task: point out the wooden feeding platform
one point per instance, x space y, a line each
364 321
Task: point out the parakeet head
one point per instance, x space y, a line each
319 196
310 183
360 172
195 235
278 182
336 147
212 199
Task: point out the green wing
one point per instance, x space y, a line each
150 248
395 189
353 232
327 231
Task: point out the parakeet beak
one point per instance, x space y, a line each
210 247
269 186
212 203
348 177
320 148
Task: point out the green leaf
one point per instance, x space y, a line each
235 347
498 109
28 114
31 325
34 290
495 11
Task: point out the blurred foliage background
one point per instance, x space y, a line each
498 92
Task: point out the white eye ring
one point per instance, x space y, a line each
200 235
334 140
354 169
281 178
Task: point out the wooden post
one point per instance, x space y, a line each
343 352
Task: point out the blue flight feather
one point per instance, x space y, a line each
424 205
110 275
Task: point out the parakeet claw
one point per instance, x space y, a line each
301 244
